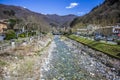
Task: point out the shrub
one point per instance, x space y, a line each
2 63
22 35
10 34
118 42
12 23
31 33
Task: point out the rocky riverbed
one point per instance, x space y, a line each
71 60
97 62
62 59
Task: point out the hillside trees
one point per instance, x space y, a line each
105 14
9 12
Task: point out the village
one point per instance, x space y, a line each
97 33
11 36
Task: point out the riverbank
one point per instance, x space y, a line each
24 62
109 49
71 60
95 62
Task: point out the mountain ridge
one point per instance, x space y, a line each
26 15
61 20
107 13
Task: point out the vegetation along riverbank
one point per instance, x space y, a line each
23 62
109 49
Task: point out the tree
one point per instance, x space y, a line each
12 23
9 12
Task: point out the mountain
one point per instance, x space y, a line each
29 18
107 13
24 15
61 21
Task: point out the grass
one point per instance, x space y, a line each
25 68
20 56
110 49
2 63
39 51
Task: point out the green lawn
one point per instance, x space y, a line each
110 49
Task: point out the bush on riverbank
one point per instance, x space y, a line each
23 35
10 34
112 50
118 42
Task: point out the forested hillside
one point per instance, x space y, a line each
107 13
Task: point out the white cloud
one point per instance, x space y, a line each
80 13
72 5
24 7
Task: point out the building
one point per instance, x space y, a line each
106 31
116 30
87 30
82 31
3 27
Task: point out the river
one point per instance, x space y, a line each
67 62
1 38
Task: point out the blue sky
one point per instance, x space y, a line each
60 7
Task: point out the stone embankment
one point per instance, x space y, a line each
100 63
24 62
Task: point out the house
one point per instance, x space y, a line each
86 30
106 31
116 30
3 27
82 31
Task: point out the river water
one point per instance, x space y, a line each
66 62
1 38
